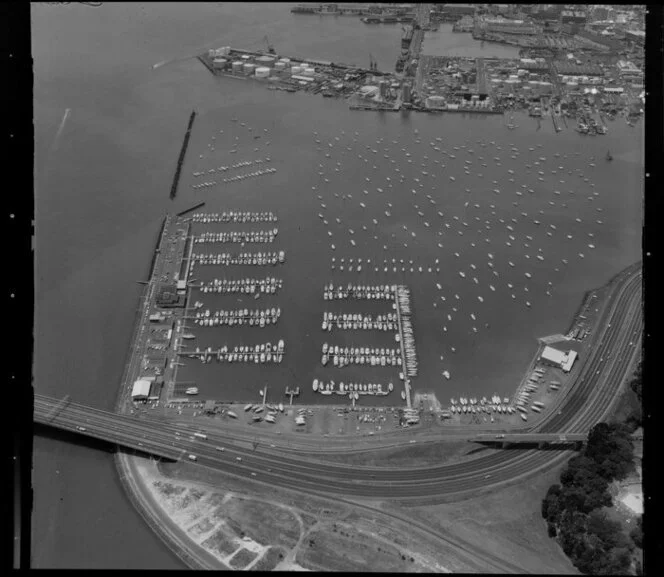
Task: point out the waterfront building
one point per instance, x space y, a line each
573 16
141 390
458 10
556 358
505 26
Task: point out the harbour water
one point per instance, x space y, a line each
461 44
103 173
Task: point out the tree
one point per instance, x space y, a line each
550 504
611 447
609 532
636 534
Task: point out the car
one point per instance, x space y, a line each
238 458
219 448
253 474
487 476
500 436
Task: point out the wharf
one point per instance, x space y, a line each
165 272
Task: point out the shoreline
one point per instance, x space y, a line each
141 498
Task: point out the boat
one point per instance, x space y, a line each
188 336
446 374
315 385
231 414
608 156
248 407
191 391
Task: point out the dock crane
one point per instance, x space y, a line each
270 48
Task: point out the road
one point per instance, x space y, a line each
598 377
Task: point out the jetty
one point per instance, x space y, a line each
292 393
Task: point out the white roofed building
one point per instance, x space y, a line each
555 358
141 390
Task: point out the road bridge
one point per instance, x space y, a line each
117 429
528 439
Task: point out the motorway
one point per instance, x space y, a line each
598 378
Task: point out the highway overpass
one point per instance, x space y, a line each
539 439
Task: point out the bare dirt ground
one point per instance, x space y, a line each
247 525
244 524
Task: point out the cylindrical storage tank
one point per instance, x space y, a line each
248 68
296 70
226 50
262 72
308 72
286 61
267 61
237 66
280 66
220 63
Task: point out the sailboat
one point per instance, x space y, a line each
608 156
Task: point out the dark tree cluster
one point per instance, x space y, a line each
635 419
573 509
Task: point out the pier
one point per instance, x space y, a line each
403 355
264 393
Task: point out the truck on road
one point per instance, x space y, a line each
200 435
193 457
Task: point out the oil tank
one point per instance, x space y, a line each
248 68
220 63
266 61
237 66
262 72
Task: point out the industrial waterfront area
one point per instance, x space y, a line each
591 74
323 324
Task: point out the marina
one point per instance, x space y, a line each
135 112
360 231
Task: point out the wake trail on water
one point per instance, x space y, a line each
61 128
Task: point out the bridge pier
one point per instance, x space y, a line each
504 444
541 444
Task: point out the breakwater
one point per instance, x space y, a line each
183 152
192 208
